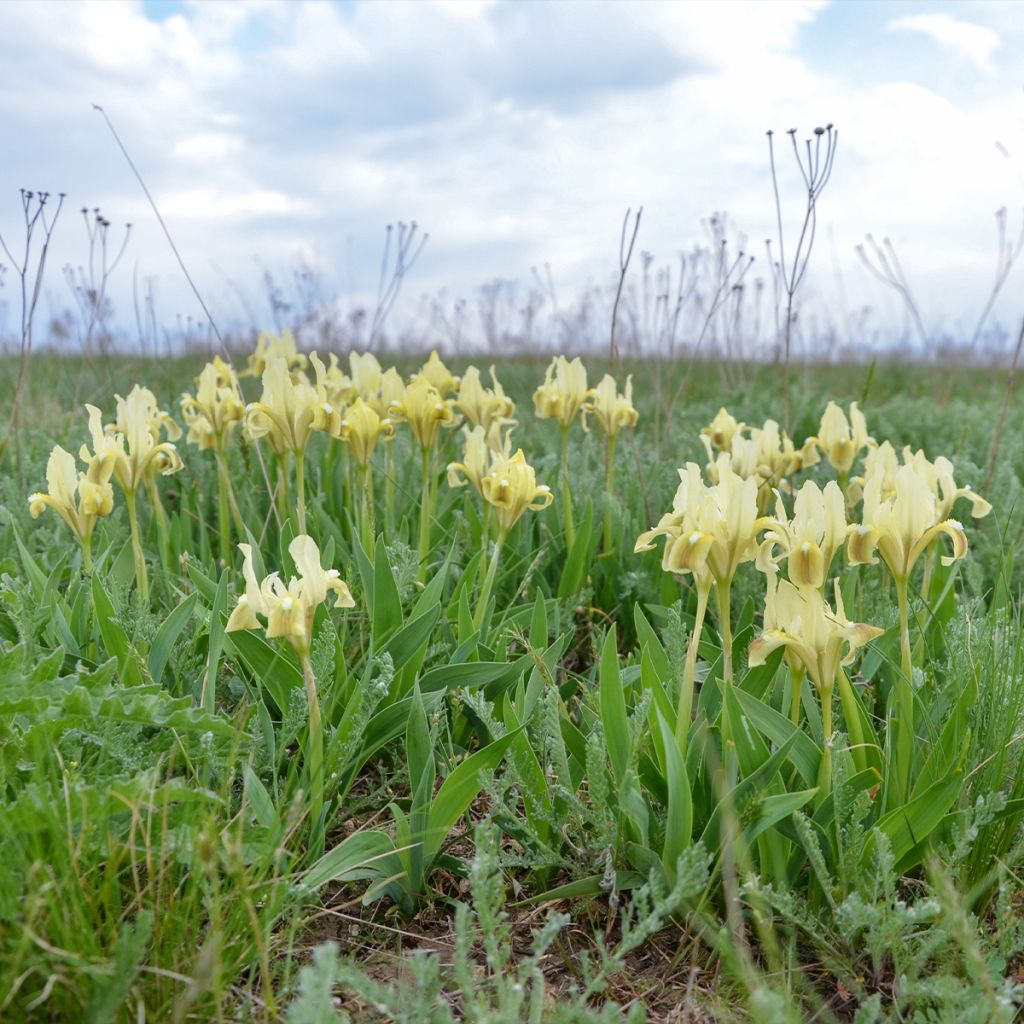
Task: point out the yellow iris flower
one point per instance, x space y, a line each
473 467
481 447
425 410
288 608
880 462
288 411
840 439
818 641
141 406
269 345
563 392
212 414
710 531
941 482
439 375
722 429
361 428
365 373
610 408
338 385
137 425
767 455
511 488
901 527
809 541
484 407
80 499
390 390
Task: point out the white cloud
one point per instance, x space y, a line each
208 146
976 43
210 204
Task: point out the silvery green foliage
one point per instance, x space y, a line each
485 983
316 1002
904 953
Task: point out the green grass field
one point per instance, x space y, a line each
512 782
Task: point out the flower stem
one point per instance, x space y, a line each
236 515
904 695
485 537
223 510
333 444
684 710
488 584
722 592
366 510
315 748
798 690
389 488
609 478
281 486
141 579
902 599
825 768
424 548
570 526
300 487
87 554
162 525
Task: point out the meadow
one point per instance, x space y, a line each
335 691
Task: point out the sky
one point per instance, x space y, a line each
517 134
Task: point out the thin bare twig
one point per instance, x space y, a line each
1007 252
1011 381
885 265
36 219
815 169
407 251
167 234
625 255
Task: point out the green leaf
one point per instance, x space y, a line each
575 570
473 674
460 789
679 819
433 591
751 749
745 795
259 800
169 631
775 808
35 575
594 885
419 751
405 644
539 623
206 586
804 753
359 856
270 666
387 606
947 748
613 708
115 640
909 827
649 641
758 679
208 697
